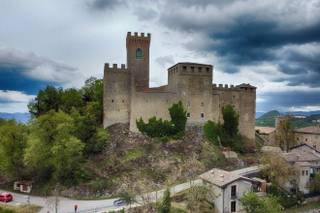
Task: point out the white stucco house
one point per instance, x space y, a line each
228 188
306 161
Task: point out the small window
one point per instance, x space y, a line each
302 173
139 53
122 101
202 115
200 69
207 69
188 115
297 139
306 139
202 104
233 206
112 100
184 68
233 191
307 172
192 69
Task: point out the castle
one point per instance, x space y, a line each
127 95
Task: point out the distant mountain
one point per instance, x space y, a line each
19 117
271 114
302 119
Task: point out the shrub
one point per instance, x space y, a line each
158 128
212 132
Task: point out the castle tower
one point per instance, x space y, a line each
138 58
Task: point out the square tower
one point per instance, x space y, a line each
138 58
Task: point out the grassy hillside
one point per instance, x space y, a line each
133 162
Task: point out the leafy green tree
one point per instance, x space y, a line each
71 98
166 202
89 131
93 92
230 120
254 204
46 100
52 150
13 137
178 117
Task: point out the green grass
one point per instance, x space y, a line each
306 207
133 155
19 209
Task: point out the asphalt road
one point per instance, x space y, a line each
66 205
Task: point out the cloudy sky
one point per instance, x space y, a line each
274 44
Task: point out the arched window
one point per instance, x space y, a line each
139 53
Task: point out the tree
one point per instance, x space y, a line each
46 100
230 120
254 204
13 137
314 183
200 198
285 133
226 134
166 202
276 168
52 150
71 98
93 92
178 117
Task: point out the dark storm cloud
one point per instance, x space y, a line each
251 36
27 72
104 4
286 100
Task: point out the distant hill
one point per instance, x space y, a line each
302 119
20 117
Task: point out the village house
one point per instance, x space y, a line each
229 187
308 135
306 161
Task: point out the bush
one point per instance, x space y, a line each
286 199
212 132
158 128
226 134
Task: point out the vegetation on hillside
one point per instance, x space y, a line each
268 119
163 128
65 130
227 134
252 203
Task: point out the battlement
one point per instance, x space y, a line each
224 87
246 87
138 37
191 68
115 68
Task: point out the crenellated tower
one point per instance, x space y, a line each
138 58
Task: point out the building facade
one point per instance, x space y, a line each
128 97
229 187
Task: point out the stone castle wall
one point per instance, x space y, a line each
127 96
